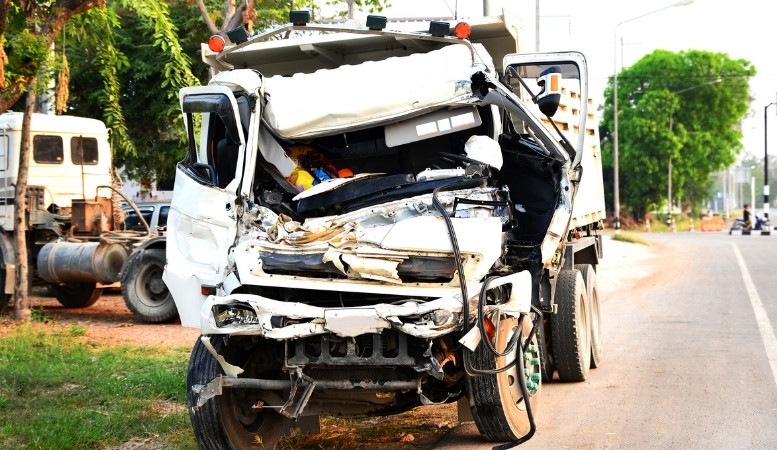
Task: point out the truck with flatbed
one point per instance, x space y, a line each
369 220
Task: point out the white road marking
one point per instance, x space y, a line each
764 326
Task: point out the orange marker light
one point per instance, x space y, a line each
462 30
216 43
490 329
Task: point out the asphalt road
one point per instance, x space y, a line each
690 358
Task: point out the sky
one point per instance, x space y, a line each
741 29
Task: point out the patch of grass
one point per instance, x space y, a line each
630 238
76 330
61 392
38 314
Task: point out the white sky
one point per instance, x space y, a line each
742 29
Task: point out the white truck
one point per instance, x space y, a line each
77 244
370 220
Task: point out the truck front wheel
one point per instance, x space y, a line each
570 329
496 400
76 295
231 420
144 292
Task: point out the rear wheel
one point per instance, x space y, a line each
76 295
594 313
144 292
496 400
570 329
230 420
4 298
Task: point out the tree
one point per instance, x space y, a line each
685 107
141 63
33 27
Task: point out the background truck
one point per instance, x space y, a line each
76 238
370 220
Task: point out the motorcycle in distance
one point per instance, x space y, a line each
739 224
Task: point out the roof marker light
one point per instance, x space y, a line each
237 35
216 43
439 28
462 30
299 17
376 22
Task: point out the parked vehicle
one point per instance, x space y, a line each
74 241
369 220
79 239
142 287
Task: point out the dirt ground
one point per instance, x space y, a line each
109 321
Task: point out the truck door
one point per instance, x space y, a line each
573 110
202 219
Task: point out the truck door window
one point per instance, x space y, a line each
213 137
47 149
83 150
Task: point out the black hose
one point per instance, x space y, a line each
465 307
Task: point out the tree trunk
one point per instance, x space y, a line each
21 301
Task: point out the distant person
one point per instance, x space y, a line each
746 218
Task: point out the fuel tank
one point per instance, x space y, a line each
81 262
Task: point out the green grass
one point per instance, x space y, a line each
60 391
627 237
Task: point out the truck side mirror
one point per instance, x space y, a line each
550 96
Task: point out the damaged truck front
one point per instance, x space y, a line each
371 220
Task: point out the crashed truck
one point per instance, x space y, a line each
370 220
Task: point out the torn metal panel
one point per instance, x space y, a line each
278 319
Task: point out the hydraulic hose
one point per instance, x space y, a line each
466 325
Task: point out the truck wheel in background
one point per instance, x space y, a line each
595 314
496 400
76 295
230 420
570 329
144 292
542 323
4 298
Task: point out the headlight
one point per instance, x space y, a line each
234 313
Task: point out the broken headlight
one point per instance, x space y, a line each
234 313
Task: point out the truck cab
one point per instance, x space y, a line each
369 220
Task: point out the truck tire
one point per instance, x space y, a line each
594 312
5 299
571 333
542 324
496 400
144 292
76 295
227 421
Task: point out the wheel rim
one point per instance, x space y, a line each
596 340
153 292
509 381
585 330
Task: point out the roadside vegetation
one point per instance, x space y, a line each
58 390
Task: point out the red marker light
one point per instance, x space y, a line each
490 329
216 43
462 30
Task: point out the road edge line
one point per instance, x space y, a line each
764 326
